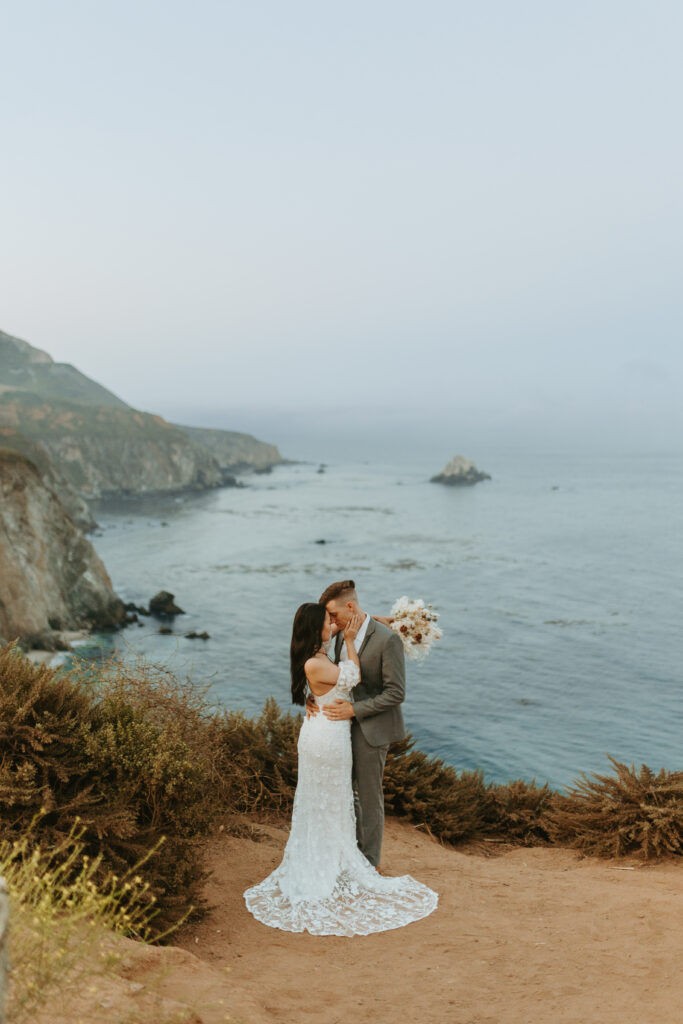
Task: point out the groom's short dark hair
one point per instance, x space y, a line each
344 589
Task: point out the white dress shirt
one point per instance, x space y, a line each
360 636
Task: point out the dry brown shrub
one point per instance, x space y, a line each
130 752
258 759
517 811
630 812
433 795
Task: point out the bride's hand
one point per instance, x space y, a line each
352 626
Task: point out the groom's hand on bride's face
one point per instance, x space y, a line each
339 710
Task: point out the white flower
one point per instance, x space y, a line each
416 625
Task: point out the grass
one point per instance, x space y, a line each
63 912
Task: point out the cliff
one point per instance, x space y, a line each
98 445
235 452
72 501
103 450
50 576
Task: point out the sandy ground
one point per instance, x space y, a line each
525 936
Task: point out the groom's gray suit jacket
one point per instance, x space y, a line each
378 697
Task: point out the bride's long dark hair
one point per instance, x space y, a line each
307 638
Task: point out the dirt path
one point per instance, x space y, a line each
532 935
527 937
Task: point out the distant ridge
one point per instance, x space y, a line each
25 368
98 445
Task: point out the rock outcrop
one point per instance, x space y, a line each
163 605
51 578
460 471
236 452
76 506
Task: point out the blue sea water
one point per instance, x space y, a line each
557 582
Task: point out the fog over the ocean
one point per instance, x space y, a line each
458 223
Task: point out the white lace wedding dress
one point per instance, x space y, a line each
324 884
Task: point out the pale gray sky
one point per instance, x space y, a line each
462 214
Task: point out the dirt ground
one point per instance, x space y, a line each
528 935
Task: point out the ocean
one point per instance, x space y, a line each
557 583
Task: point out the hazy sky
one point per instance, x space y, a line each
460 214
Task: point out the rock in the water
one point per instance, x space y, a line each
134 608
163 605
197 636
460 471
165 630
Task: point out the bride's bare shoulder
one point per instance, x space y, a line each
321 669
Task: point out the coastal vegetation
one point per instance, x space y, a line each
65 441
146 766
62 921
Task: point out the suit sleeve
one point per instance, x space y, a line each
393 682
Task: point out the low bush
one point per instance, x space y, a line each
133 755
630 812
433 795
517 812
61 919
137 758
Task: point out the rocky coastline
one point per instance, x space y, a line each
66 442
92 444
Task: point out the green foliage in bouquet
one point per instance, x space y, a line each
631 812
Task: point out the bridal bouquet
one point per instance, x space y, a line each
416 625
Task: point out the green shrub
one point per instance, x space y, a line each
134 755
61 921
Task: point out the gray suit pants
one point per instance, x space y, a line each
368 769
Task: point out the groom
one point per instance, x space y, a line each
374 708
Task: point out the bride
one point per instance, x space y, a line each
324 884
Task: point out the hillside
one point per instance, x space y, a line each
104 450
235 452
25 368
100 446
